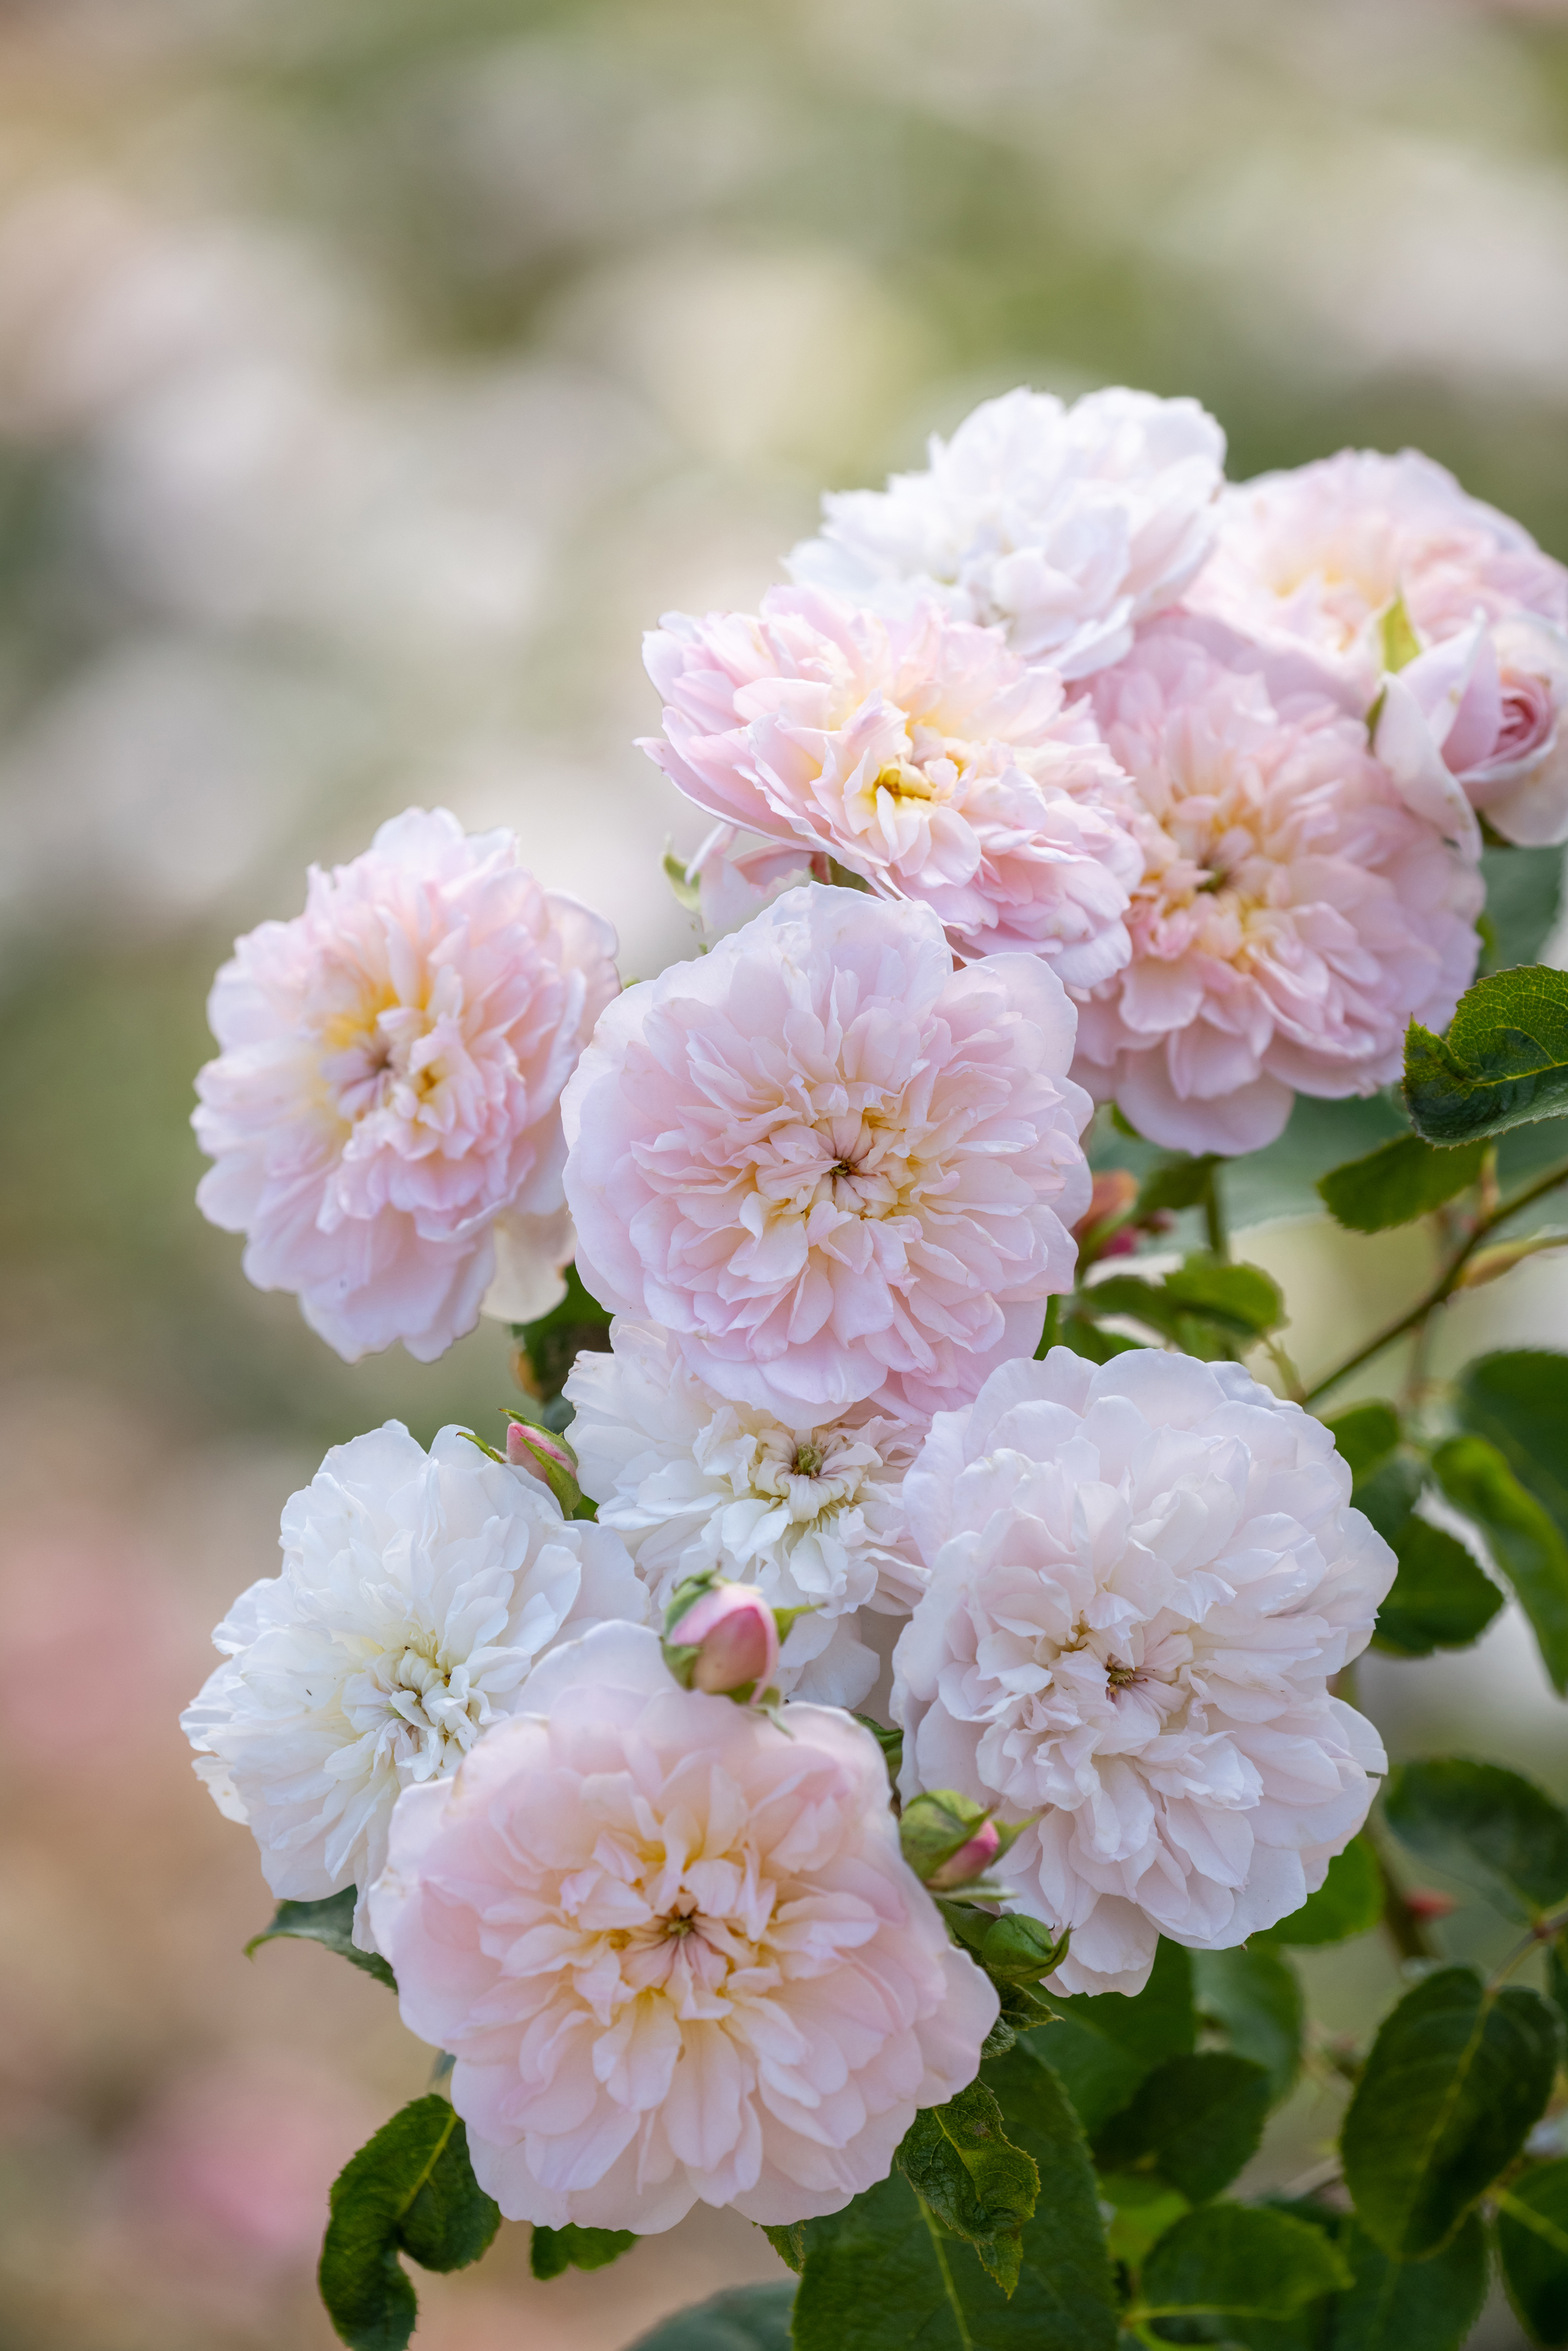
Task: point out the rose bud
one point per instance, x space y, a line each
971 1861
543 1455
1422 1904
725 1642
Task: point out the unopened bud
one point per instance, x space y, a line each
1424 1905
725 1642
543 1455
971 1861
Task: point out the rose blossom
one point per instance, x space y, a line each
385 1108
834 1168
1144 1574
1295 915
1065 525
919 753
416 1594
675 1951
1332 554
811 1514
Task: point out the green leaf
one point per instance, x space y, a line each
1493 1829
1237 1302
688 894
1442 1598
1174 1184
884 2273
1098 1346
1102 2044
330 1922
1524 897
789 2242
1397 2306
741 2318
891 1743
1241 2261
1518 1400
1255 1999
1348 1902
1503 1061
1097 2072
1388 1494
1523 1540
1066 2272
1533 2247
1401 1180
412 2189
555 2251
1195 2121
1457 2076
551 1345
959 2159
1365 1437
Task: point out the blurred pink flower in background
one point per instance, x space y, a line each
1066 526
919 753
675 1950
831 1166
387 1094
1294 914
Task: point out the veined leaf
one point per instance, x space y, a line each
1401 1180
1066 2271
555 2251
411 2189
741 2318
1441 1599
1532 2248
1177 1183
1193 2121
1503 1061
1255 1999
1241 2261
1364 1435
1348 1902
330 1922
1522 1537
1494 1829
960 2160
1457 2076
1518 1400
1395 2306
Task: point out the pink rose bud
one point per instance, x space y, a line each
547 1458
971 1861
732 1629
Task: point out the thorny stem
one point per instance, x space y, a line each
1445 1284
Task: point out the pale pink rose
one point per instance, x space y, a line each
1145 1576
1294 914
1320 554
830 1165
675 1951
387 1097
1476 720
919 753
1066 526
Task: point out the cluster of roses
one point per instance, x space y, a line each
1077 777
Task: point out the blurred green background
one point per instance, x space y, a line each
371 373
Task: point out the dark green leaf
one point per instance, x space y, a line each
1364 1435
1533 2247
741 2318
1441 1599
1457 2076
1389 1493
1098 1346
1066 2273
1493 1829
1255 1999
1242 2261
1102 2043
1523 1540
551 1345
1503 1061
1098 2073
555 2251
789 2242
412 2189
1518 1400
1176 1183
959 2157
330 1922
1400 2306
1195 2121
891 1743
1237 1302
1524 892
1347 1903
1401 1180
884 2273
